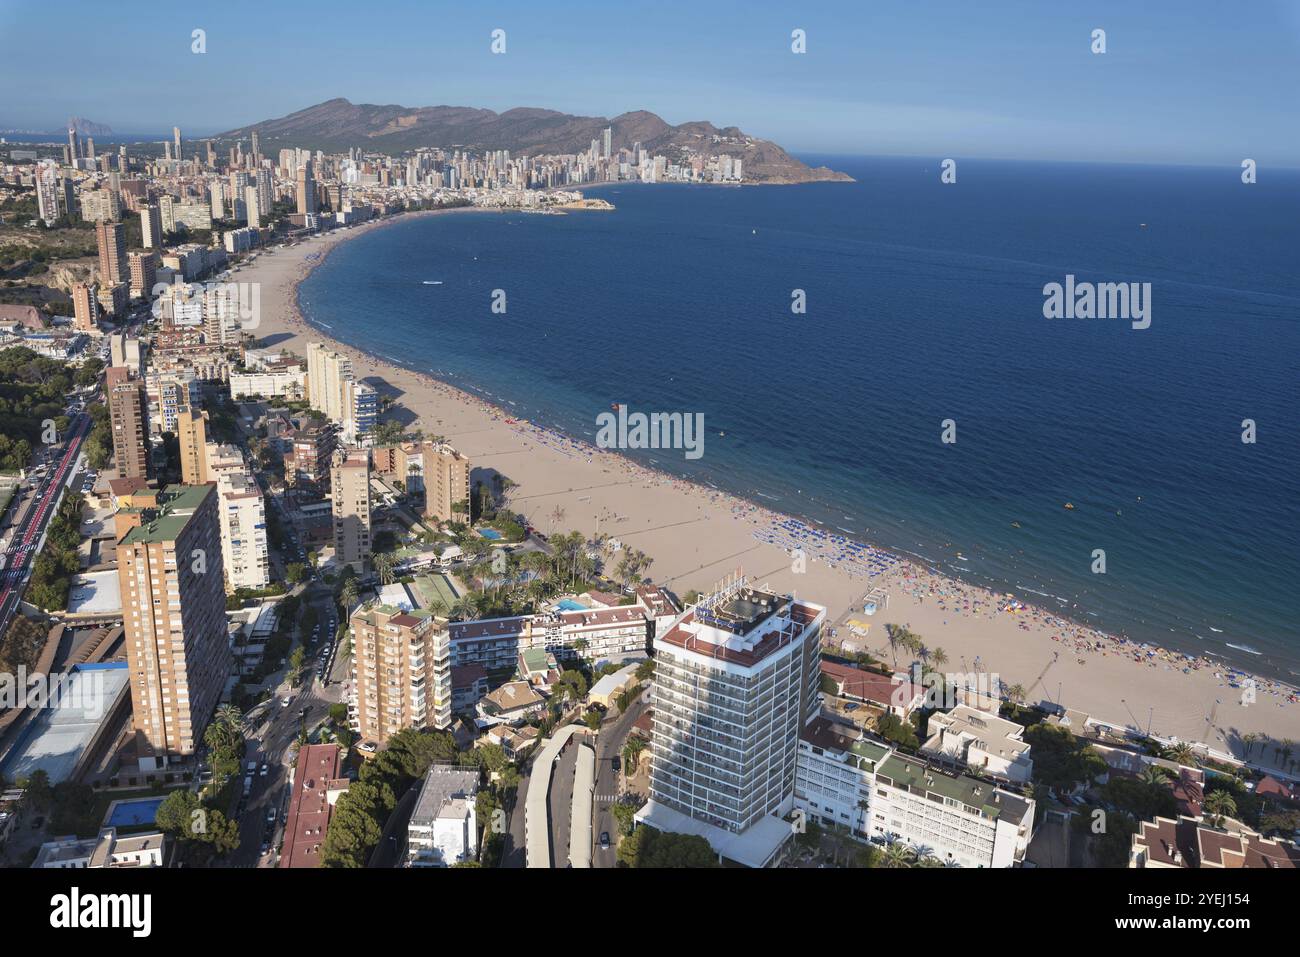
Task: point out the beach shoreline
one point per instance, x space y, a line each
697 534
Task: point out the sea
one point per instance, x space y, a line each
921 400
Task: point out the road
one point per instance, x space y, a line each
609 745
32 514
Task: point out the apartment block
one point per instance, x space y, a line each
443 829
736 680
967 738
174 603
192 435
401 671
350 494
243 531
126 407
328 373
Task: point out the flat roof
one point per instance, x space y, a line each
922 779
56 738
752 847
95 593
443 783
177 504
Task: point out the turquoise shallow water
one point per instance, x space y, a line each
924 304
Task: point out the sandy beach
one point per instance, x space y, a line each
696 535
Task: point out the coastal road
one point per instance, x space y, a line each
32 514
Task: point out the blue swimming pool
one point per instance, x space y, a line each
133 813
489 533
568 604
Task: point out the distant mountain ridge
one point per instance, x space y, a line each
339 124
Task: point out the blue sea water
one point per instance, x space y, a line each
924 303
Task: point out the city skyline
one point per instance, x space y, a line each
1202 90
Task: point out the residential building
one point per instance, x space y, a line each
401 671
1188 843
360 412
311 451
446 483
192 435
85 307
980 741
443 829
327 374
350 492
243 532
126 407
836 773
151 229
144 273
110 237
736 679
315 784
956 818
174 619
105 850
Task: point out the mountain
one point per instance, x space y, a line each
338 124
86 127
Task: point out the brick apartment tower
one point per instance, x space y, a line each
126 408
174 601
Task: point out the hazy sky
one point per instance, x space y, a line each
1182 81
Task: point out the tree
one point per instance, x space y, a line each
383 564
294 572
39 795
1220 805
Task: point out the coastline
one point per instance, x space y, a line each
570 484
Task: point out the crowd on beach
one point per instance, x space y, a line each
843 554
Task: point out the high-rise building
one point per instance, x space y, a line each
327 375
174 619
401 671
113 266
736 679
151 228
243 531
176 143
306 190
192 435
253 203
360 412
257 149
85 307
606 143
350 491
446 483
144 272
126 407
47 193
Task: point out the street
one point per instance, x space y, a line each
609 745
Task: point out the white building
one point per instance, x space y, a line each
105 850
243 531
980 741
736 679
836 774
955 818
289 383
443 829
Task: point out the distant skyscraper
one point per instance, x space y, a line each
176 142
306 190
144 272
113 266
607 141
74 147
151 229
47 193
257 150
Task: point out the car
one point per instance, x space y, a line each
286 701
251 767
616 763
366 747
270 816
262 773
604 840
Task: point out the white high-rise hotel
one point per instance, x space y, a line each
736 679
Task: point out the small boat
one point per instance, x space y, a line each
1070 506
1015 524
433 282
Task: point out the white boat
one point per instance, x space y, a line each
433 282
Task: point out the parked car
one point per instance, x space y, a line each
604 840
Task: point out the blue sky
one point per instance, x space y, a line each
1181 82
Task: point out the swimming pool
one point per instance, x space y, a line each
568 604
489 533
133 813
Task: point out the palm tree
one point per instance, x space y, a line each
1016 694
383 562
1183 753
898 854
1220 805
348 595
939 657
1152 776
